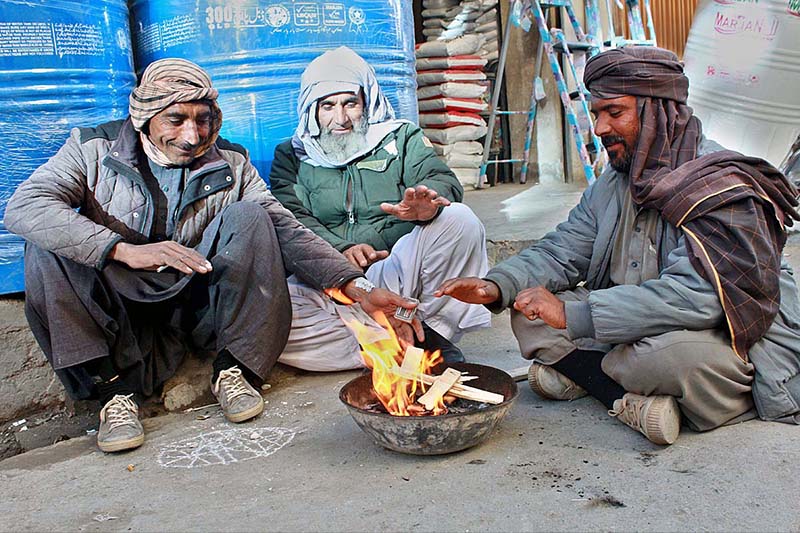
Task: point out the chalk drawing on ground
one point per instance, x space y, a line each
224 447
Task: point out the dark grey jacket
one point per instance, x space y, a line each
90 196
579 250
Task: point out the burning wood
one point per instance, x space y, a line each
432 399
399 378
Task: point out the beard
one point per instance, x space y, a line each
341 148
621 159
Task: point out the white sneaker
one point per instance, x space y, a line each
120 428
238 399
656 417
552 384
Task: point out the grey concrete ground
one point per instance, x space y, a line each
304 465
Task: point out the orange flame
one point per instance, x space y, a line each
384 356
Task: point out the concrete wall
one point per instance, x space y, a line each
27 384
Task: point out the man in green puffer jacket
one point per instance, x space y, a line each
373 188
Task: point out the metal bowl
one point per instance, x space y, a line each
431 435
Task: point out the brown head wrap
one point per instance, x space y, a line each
169 81
637 71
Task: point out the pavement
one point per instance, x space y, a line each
304 465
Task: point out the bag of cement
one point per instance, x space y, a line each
468 105
489 16
463 46
451 63
467 176
452 89
460 147
463 13
432 32
490 56
432 23
431 77
437 4
455 134
462 160
435 13
449 119
459 25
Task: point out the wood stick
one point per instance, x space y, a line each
462 391
412 359
520 374
439 388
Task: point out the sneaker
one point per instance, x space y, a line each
552 384
238 399
656 417
120 428
434 341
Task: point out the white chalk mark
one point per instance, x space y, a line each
224 447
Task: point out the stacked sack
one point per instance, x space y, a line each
444 20
451 93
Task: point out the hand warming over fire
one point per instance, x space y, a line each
381 300
538 302
470 290
419 203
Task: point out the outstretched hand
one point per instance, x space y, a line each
470 290
387 302
419 203
538 302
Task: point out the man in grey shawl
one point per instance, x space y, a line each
151 235
664 293
373 187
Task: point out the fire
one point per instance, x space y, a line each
383 355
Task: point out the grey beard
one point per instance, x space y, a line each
341 148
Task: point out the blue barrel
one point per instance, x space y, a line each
63 63
255 52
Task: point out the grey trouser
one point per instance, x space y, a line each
699 368
146 321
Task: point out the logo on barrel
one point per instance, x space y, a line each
794 7
765 27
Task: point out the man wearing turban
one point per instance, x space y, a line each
151 234
372 186
664 292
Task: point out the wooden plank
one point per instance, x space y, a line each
520 374
412 359
461 391
440 386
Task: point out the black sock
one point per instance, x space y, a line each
106 390
223 361
108 381
584 368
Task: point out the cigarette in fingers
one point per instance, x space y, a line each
162 268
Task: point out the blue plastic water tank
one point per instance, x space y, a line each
255 52
63 64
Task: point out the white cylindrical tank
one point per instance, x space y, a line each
743 62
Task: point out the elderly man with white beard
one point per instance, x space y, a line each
372 186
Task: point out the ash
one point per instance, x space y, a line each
459 407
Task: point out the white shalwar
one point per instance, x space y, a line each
453 245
